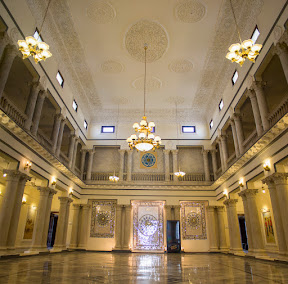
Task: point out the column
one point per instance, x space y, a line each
40 218
56 127
4 40
60 136
221 229
37 113
16 211
121 166
257 86
177 212
283 249
234 231
75 226
90 164
75 153
256 113
71 148
30 107
70 200
206 164
52 192
168 212
239 131
235 139
175 163
214 163
6 210
221 155
282 51
224 149
129 165
82 163
58 245
84 226
123 224
213 237
127 228
167 164
118 227
6 64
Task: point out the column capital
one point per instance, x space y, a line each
64 199
276 178
76 206
44 190
174 152
231 122
247 193
52 192
4 37
230 202
280 48
11 50
90 151
43 94
121 151
219 208
176 206
85 206
12 174
250 94
210 208
166 151
236 116
168 206
205 152
257 85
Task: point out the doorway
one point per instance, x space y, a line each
52 229
243 232
173 236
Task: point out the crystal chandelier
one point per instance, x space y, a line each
114 178
146 140
36 48
238 52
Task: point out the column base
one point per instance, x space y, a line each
214 250
29 253
237 252
224 250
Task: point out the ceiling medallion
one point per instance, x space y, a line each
111 67
148 32
101 12
146 140
190 11
152 83
181 66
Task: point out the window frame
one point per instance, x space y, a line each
221 101
85 122
211 122
256 28
39 37
62 84
74 102
235 72
188 127
107 126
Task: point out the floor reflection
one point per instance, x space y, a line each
87 267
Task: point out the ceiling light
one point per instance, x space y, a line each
36 48
238 52
114 178
145 140
179 173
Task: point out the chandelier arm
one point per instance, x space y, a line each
237 27
44 19
145 48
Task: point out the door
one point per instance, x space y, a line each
173 236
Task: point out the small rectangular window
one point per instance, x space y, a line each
37 35
188 129
75 105
60 79
234 77
211 124
153 130
108 129
85 124
221 104
255 34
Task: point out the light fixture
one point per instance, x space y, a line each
267 165
241 182
4 175
225 193
238 52
146 140
24 200
36 48
70 191
263 189
28 165
114 178
179 173
53 181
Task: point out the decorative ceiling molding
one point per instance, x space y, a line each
146 32
190 11
181 66
101 12
111 67
152 83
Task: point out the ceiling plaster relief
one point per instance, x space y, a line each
149 32
101 12
217 69
152 84
181 66
111 67
190 11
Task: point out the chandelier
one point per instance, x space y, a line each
36 48
146 140
114 178
238 52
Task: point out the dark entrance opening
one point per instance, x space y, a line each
173 236
243 232
52 229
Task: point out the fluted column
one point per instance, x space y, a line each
224 149
256 113
221 229
221 155
60 137
121 166
235 139
214 163
5 66
213 237
37 112
118 228
167 164
127 227
239 130
30 107
90 164
75 153
70 200
16 211
71 149
282 51
82 163
257 86
4 40
129 165
206 165
234 231
279 224
40 218
175 163
84 226
56 127
75 226
8 201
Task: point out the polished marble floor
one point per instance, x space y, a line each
98 267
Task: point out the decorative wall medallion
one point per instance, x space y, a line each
181 66
190 11
148 225
152 83
148 160
103 219
148 32
101 12
112 67
193 220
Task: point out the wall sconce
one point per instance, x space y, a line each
4 175
28 165
53 181
265 209
267 165
70 191
225 193
24 200
241 182
34 207
263 189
